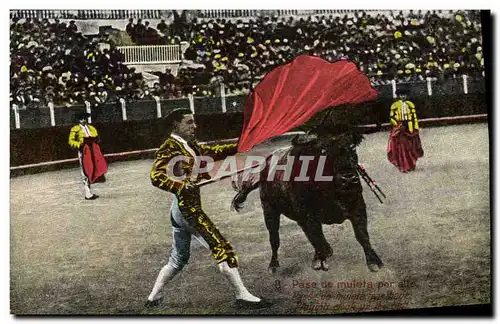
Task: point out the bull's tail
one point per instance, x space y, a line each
243 188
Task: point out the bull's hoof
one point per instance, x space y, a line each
273 266
318 264
374 262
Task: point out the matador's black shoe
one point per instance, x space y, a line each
93 197
245 304
101 179
153 303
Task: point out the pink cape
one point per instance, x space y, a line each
291 94
404 148
94 163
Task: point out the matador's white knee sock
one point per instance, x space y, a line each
166 274
233 275
88 194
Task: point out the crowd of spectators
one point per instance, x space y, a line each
53 62
145 34
164 34
199 82
403 46
408 46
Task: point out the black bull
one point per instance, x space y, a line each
313 203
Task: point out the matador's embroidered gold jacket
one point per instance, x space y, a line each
77 135
172 148
404 112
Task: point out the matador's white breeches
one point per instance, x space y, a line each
83 177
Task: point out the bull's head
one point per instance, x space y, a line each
338 144
333 141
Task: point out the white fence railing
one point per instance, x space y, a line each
227 103
151 54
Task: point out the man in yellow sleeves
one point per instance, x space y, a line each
404 147
84 138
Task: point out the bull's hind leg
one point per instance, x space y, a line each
360 226
272 219
314 231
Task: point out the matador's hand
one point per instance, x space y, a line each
189 186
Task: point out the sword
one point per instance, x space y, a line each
207 182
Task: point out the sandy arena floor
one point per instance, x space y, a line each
71 256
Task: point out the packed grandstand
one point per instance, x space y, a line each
52 61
